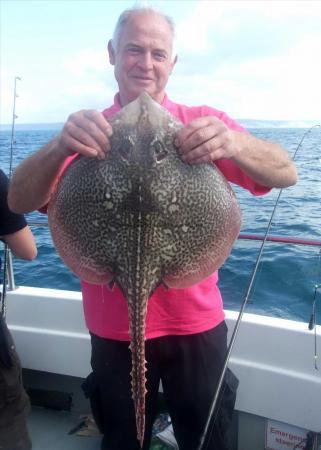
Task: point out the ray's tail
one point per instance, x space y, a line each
137 314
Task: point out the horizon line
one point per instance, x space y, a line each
238 120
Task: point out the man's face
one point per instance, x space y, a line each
143 60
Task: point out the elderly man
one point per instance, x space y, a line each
186 332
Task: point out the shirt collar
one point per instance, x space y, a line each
117 106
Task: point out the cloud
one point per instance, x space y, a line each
235 29
86 62
284 86
83 80
193 32
255 61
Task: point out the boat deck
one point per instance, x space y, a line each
52 430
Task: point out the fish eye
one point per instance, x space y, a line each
125 149
159 151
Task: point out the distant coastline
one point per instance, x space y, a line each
254 123
247 123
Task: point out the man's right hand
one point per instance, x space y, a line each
86 132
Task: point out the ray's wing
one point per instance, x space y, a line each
198 228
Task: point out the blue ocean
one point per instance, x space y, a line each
285 281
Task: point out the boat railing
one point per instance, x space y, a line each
277 239
10 273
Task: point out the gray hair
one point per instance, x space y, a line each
127 13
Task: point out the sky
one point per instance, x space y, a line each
252 59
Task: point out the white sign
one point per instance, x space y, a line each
280 436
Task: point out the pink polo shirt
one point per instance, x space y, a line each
174 311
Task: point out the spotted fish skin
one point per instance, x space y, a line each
141 218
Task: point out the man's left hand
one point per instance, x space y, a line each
204 140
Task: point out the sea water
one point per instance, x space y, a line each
284 284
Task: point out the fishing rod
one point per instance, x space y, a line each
313 323
212 416
7 255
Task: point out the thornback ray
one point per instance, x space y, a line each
142 217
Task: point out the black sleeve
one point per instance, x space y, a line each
9 221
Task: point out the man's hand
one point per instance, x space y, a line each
86 132
205 139
208 139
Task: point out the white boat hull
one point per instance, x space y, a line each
273 358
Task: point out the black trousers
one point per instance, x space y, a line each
188 367
14 402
